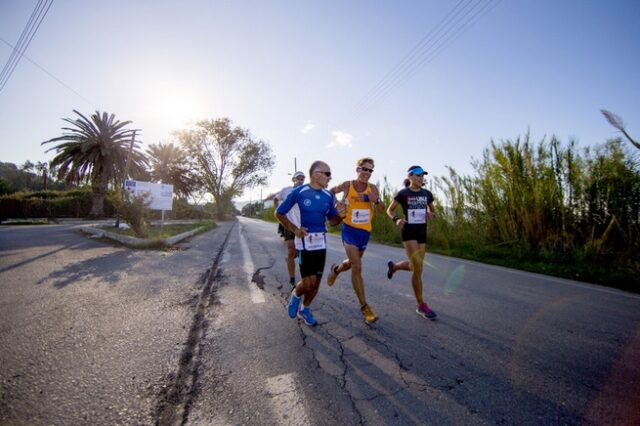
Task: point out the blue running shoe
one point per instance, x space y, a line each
294 303
307 317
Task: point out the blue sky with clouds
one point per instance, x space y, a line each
309 77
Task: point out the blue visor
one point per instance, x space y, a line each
417 171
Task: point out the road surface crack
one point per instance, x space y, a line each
176 398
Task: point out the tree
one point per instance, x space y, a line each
27 169
617 122
28 166
95 150
5 186
169 164
228 160
43 169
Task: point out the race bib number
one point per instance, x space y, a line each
314 241
359 216
417 216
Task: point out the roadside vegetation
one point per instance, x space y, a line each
159 232
546 208
541 206
538 206
208 164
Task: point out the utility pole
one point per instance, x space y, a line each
124 178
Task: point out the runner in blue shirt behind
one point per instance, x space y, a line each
317 205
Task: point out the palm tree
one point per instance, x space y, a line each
95 151
169 164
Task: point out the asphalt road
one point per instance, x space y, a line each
96 334
92 333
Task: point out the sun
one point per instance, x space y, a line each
177 108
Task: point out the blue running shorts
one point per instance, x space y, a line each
355 237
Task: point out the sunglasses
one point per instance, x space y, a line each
327 174
366 169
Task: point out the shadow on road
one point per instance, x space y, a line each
108 268
40 256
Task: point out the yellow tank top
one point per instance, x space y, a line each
359 213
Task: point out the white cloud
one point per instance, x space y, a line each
309 126
341 140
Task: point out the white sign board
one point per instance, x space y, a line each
161 195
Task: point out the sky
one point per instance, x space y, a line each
406 82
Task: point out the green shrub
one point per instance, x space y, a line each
135 212
75 203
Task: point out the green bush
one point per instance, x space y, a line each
135 212
182 209
70 204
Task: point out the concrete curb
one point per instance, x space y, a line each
138 242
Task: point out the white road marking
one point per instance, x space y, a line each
286 400
257 295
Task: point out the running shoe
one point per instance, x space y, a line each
390 270
294 304
307 317
425 312
369 316
331 279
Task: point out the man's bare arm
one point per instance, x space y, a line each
378 203
340 188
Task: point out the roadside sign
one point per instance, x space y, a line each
160 194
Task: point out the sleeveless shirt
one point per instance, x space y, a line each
359 213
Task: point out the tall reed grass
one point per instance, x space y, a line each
544 207
545 204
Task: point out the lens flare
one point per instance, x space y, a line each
454 280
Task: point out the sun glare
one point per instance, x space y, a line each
176 110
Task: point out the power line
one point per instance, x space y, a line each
451 27
49 74
439 39
27 35
25 30
19 49
440 44
408 57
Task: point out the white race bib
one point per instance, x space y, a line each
417 216
313 241
359 216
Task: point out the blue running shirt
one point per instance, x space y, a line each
316 206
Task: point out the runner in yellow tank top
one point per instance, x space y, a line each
360 197
359 209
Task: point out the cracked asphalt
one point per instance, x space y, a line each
90 331
98 334
508 347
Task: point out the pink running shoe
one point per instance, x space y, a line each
425 312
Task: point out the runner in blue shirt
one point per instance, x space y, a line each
317 205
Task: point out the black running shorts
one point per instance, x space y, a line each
311 262
418 234
288 235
